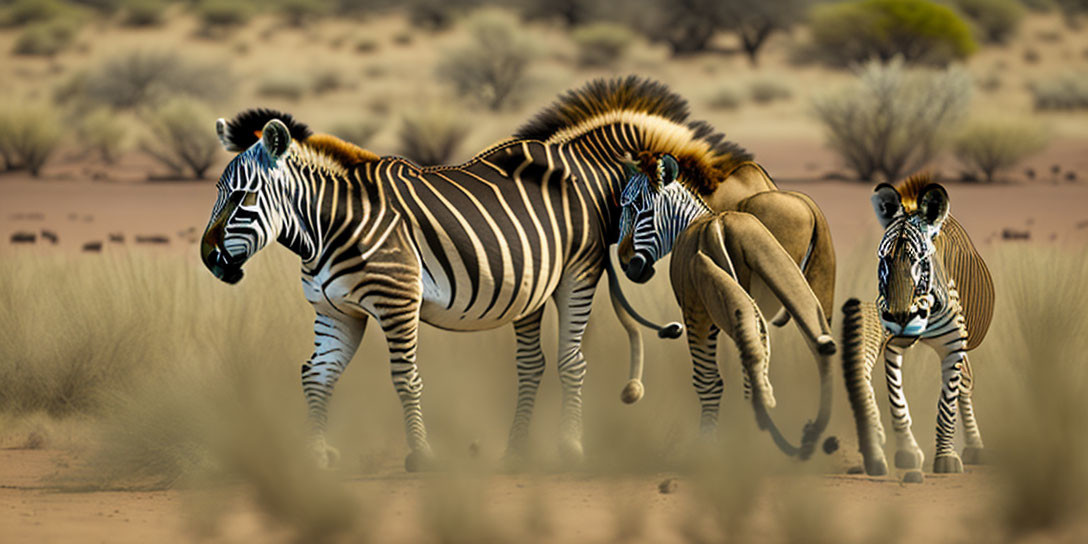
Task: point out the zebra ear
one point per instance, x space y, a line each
275 138
223 132
933 206
667 169
886 203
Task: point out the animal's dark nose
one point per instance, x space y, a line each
640 269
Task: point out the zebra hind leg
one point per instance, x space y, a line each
973 452
530 368
401 335
573 304
335 342
705 376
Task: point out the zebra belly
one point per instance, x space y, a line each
493 304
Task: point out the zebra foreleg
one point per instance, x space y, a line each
573 304
907 455
335 342
530 366
952 357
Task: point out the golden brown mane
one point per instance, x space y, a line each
334 148
910 188
705 156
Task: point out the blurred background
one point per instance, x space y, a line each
172 403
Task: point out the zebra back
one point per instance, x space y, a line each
974 284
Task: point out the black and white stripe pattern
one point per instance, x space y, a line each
463 248
656 215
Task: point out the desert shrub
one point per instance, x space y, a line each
990 82
996 20
180 138
920 31
358 132
571 13
889 120
23 12
991 145
725 98
1072 10
46 38
1067 91
28 137
765 91
101 132
137 79
217 15
281 85
431 136
754 21
602 44
686 26
298 13
327 81
436 14
492 67
366 45
143 12
404 37
1037 346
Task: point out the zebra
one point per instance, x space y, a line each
933 287
717 258
465 247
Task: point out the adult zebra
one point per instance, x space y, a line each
934 287
466 247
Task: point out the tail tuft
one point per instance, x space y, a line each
671 330
632 392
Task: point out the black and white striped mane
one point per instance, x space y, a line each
245 129
705 156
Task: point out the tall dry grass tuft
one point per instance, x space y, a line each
179 138
1036 364
492 67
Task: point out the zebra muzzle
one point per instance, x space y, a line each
219 264
640 269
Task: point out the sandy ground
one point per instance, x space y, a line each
576 508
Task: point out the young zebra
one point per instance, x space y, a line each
934 287
717 257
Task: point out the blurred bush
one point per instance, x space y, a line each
919 31
725 98
436 14
687 26
285 85
602 44
299 13
996 20
218 16
431 136
24 12
358 132
754 21
571 13
46 38
102 133
990 145
765 91
140 13
1066 91
29 135
327 80
492 67
181 138
142 78
890 120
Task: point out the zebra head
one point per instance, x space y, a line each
908 270
244 219
653 214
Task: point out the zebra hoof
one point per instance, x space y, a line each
419 461
947 464
973 456
876 466
908 459
632 392
325 456
571 451
913 477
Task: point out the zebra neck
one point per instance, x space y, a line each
600 155
677 219
303 201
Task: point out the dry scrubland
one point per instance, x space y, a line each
170 404
177 382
